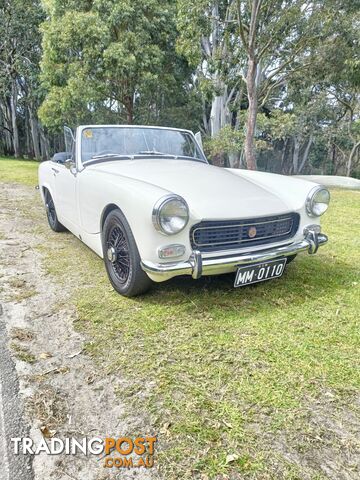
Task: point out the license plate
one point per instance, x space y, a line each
259 272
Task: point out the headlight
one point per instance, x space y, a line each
317 201
170 214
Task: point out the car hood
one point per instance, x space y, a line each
211 192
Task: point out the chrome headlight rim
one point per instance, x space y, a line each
310 201
159 205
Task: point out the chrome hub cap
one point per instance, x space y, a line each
111 254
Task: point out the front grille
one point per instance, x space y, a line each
210 236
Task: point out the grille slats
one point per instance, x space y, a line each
208 236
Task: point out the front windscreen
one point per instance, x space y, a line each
102 142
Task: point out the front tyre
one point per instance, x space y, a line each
51 214
121 257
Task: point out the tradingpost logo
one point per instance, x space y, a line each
121 452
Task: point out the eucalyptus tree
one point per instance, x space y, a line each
257 43
338 64
207 40
110 60
326 101
19 67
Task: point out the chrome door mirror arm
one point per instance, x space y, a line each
70 165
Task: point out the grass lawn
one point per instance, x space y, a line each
20 171
260 382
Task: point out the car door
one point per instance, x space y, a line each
66 186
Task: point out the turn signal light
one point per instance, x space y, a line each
171 251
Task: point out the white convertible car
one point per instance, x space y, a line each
147 201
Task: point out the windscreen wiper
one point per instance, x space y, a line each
110 155
154 152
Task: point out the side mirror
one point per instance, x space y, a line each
70 165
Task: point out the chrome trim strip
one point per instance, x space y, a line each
198 265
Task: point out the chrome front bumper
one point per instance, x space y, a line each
198 266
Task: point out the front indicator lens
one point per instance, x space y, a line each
171 251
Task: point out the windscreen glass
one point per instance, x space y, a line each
100 142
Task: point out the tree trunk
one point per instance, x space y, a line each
283 156
6 129
28 143
351 158
220 114
44 142
129 106
295 165
15 132
215 115
333 166
7 114
130 115
252 114
34 134
306 154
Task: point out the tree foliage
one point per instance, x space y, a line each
112 61
273 85
20 90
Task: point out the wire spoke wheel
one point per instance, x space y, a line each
51 213
118 253
121 256
50 208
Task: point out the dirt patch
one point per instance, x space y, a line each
63 391
326 439
21 334
49 407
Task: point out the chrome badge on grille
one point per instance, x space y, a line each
252 232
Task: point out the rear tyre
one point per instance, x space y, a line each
51 214
121 257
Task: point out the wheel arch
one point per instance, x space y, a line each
43 189
106 211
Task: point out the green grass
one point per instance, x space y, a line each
230 369
258 372
22 353
20 171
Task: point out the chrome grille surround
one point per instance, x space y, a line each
214 235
